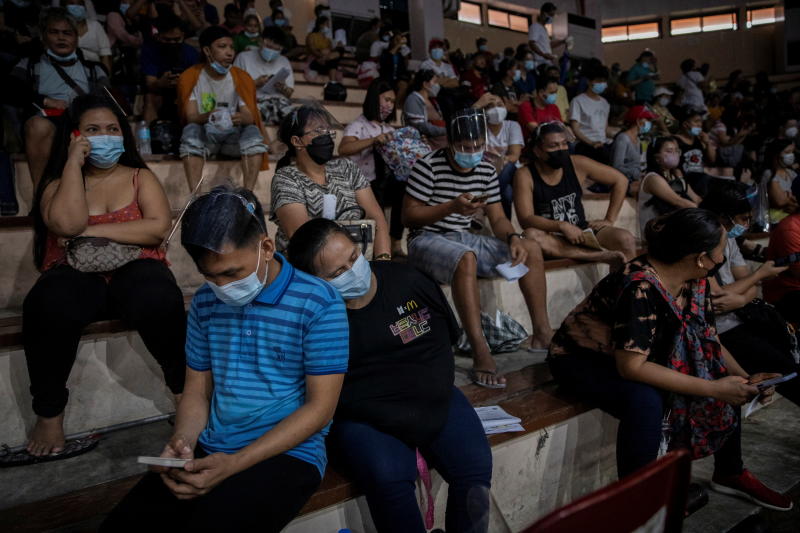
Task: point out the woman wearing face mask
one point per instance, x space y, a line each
510 72
626 150
697 150
421 110
370 130
325 59
250 38
735 285
779 174
308 174
398 401
643 347
96 185
548 200
504 144
540 107
666 123
92 38
663 188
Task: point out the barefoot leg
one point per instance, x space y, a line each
47 436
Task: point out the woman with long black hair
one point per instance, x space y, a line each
96 192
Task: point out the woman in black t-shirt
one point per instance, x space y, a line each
398 402
643 347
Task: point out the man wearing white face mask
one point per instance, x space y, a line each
445 190
268 61
539 40
267 349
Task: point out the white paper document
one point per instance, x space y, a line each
511 273
496 420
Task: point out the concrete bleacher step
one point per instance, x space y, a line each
566 449
305 90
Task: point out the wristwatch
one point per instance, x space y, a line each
508 239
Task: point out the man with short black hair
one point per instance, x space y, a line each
266 352
539 40
445 190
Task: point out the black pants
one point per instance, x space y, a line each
64 301
263 498
755 353
639 407
389 193
598 154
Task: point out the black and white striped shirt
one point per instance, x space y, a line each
434 181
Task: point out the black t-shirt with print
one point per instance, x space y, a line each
401 366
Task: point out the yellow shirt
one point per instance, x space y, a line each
318 42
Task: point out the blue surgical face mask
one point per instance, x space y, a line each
548 19
437 54
645 64
529 64
646 127
517 75
243 291
354 283
219 68
737 231
78 12
251 34
551 98
280 22
71 57
695 131
106 150
123 8
483 48
468 159
599 88
269 55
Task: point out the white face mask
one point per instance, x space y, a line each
791 132
788 159
664 101
496 115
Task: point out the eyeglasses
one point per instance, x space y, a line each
320 131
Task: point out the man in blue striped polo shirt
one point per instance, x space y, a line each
266 349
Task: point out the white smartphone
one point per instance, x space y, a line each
775 381
168 462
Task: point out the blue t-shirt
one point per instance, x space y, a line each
644 90
260 354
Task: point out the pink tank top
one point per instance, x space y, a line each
55 255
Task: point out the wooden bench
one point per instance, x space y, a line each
530 394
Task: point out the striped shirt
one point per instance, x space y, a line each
434 181
260 354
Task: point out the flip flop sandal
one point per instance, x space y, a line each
473 376
72 448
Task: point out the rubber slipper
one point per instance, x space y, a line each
72 448
473 376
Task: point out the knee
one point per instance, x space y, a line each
192 143
534 251
467 265
251 141
38 128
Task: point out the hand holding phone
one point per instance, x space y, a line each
479 199
775 381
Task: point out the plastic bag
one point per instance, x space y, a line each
503 333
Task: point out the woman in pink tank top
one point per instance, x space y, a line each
96 185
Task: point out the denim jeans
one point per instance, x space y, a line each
385 468
506 179
638 406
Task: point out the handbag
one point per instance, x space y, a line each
363 234
98 254
763 317
402 150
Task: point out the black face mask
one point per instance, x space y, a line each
321 149
713 271
557 159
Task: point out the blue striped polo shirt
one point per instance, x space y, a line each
260 354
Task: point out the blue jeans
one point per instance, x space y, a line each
506 178
593 377
385 468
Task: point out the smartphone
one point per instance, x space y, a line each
479 199
775 381
788 260
162 461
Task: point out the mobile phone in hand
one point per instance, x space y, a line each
775 381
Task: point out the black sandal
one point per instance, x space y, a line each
72 448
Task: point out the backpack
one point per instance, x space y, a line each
334 92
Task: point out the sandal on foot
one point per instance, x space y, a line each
72 448
472 373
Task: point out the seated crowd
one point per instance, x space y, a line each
304 342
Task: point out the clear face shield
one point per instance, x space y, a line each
232 215
468 137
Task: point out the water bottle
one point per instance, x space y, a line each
143 138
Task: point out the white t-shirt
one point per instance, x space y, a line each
538 34
361 128
510 133
692 95
252 62
443 69
210 93
592 115
728 321
377 48
94 43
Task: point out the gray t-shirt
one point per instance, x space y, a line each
627 156
728 321
291 186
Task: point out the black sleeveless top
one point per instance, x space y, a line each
561 202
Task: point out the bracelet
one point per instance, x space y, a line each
382 257
508 239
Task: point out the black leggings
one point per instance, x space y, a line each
64 301
755 353
390 193
264 498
